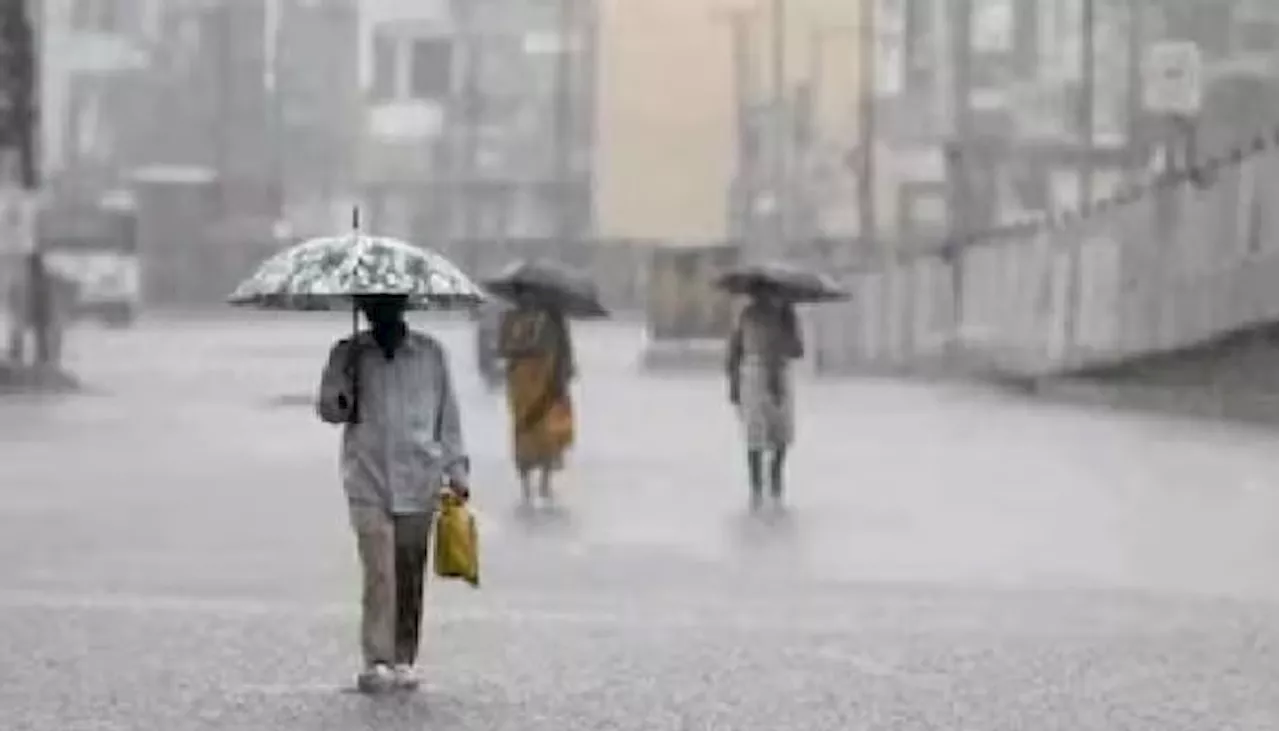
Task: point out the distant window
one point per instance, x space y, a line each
430 68
410 67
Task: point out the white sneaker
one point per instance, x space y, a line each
376 679
406 678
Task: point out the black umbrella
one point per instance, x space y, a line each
787 281
549 283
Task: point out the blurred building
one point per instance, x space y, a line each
406 81
94 55
691 119
479 126
264 94
316 118
478 117
1017 143
257 138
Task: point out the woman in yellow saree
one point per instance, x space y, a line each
534 340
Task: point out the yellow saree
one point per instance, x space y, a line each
539 359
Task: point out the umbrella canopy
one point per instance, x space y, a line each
789 282
324 273
550 283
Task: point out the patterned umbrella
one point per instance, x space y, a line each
325 273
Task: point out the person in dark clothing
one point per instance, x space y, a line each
764 341
38 304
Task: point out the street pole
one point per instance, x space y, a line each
587 99
741 40
782 194
273 22
1087 99
19 95
1085 194
223 119
563 133
22 92
465 167
960 199
818 37
867 49
19 151
1137 34
742 192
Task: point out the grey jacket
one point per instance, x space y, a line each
408 439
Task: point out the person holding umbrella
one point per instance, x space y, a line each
398 452
763 342
390 388
535 341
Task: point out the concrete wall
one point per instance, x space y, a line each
665 120
1078 294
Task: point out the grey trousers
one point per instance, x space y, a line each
393 561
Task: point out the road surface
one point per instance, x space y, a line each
175 556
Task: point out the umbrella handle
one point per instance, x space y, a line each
355 332
354 364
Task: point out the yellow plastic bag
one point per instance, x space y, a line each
457 549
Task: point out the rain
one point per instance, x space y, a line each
638 364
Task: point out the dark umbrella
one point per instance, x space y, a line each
787 281
549 283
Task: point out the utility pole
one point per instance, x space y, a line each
1087 99
223 118
1085 195
819 40
19 165
1134 111
465 167
273 27
588 55
743 189
960 193
19 102
564 123
815 223
781 137
867 49
960 22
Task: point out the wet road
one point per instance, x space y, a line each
174 555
